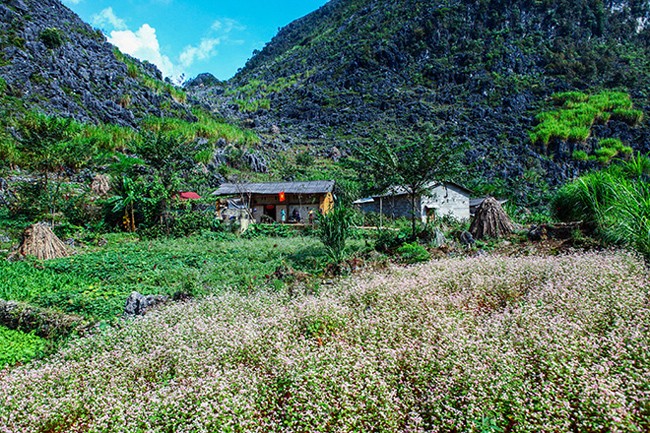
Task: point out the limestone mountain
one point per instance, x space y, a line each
52 61
484 69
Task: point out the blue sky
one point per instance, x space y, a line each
190 37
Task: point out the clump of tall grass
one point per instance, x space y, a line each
333 231
615 201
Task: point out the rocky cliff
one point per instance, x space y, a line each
53 61
483 68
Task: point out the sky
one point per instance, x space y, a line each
185 38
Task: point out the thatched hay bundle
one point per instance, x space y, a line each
101 185
40 241
491 221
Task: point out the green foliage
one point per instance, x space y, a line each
252 105
333 231
575 201
129 197
604 155
270 230
135 70
629 116
389 240
411 163
413 253
52 37
182 221
305 159
254 95
96 283
573 97
610 148
19 347
577 114
615 201
207 127
613 143
203 156
580 155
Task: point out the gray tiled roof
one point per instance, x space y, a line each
311 187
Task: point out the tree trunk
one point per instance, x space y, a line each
132 220
413 229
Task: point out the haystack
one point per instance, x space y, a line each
101 185
40 241
491 221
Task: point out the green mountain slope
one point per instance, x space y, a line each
482 68
73 107
52 61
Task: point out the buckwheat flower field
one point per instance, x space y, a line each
490 344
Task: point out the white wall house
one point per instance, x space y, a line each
441 199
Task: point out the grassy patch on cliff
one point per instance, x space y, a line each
577 112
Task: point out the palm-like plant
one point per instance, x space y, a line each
126 201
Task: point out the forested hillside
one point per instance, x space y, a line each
482 69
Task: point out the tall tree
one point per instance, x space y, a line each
411 162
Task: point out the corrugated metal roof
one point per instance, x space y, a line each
310 187
398 190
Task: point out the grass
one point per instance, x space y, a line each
134 70
615 201
577 112
492 344
207 127
254 95
19 347
95 284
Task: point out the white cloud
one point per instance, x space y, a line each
143 44
205 50
72 2
220 31
107 18
227 25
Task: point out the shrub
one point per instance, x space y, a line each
269 230
413 253
183 223
305 159
52 38
389 240
577 201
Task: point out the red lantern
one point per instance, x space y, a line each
282 197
